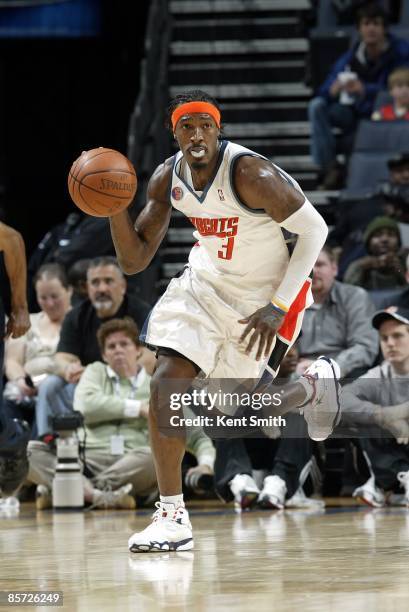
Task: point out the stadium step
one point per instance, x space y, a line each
238 71
239 47
294 163
279 128
251 91
277 146
234 111
191 7
307 180
226 28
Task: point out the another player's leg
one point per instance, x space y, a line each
170 528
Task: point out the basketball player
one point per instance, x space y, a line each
14 434
240 299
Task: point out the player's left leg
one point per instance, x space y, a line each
319 384
317 391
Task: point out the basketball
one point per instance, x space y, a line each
102 182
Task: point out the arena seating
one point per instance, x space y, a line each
382 136
365 170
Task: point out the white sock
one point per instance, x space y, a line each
176 500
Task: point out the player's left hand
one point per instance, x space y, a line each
265 322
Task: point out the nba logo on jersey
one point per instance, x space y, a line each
221 195
177 193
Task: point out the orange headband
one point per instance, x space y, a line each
195 107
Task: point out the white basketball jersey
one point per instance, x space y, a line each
240 251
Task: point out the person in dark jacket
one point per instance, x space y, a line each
348 94
383 266
79 237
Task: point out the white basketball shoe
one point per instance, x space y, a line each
403 478
370 494
323 410
300 500
170 530
273 494
245 491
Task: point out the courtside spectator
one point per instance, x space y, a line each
391 198
395 193
382 267
280 457
398 85
348 94
378 403
78 345
31 358
337 324
114 398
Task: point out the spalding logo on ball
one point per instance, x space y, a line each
102 182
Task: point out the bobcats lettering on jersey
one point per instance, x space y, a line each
222 228
225 227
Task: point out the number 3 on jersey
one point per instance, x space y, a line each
229 233
228 246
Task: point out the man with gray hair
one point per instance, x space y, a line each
337 324
78 345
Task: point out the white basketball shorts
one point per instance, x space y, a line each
193 320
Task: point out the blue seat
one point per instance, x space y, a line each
327 15
383 298
366 170
383 136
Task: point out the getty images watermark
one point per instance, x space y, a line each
222 407
226 403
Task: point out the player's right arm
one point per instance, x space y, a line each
135 245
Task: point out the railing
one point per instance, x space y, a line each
148 140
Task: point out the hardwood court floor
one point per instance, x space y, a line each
347 559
